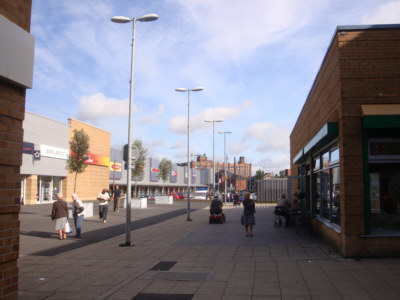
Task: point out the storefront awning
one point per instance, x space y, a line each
380 116
326 133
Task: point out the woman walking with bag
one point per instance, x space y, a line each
59 213
248 219
78 214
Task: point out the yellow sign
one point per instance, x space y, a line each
114 166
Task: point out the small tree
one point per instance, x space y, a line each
165 170
138 169
259 174
79 147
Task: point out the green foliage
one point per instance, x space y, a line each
259 174
165 169
138 169
79 147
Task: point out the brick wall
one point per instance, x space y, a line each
18 12
369 66
360 67
94 178
12 109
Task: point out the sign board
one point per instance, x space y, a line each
124 152
54 152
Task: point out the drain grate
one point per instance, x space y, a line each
149 296
163 266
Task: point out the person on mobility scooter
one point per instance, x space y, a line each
216 215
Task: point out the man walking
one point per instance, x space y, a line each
116 195
103 198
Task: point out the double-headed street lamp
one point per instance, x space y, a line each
197 89
225 133
213 121
120 19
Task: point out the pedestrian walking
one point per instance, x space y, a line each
248 219
78 214
116 196
59 213
104 198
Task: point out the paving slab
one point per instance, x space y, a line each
211 261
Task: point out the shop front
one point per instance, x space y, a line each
345 145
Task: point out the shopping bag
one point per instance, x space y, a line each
68 228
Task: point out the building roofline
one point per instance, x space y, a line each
87 124
47 118
338 29
366 27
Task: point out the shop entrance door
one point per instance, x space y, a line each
45 188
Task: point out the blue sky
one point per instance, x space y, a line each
256 60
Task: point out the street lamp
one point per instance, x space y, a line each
225 133
197 89
120 19
213 121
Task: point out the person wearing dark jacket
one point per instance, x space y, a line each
59 213
248 214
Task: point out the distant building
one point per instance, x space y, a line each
237 173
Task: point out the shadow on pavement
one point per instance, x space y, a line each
102 234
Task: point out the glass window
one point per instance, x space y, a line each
56 187
385 198
326 184
325 192
317 198
335 156
317 163
335 196
325 160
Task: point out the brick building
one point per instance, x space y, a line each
237 172
345 145
16 72
97 173
44 160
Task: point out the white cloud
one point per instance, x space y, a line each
179 123
157 143
153 118
177 145
237 148
269 136
232 29
388 13
97 106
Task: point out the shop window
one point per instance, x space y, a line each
385 198
325 192
335 196
317 194
325 160
326 185
334 156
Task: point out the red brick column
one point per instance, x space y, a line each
12 110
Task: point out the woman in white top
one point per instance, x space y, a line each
78 214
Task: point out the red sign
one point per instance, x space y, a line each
155 170
116 167
174 173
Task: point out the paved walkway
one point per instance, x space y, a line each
176 259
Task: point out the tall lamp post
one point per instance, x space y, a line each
197 89
225 133
213 121
120 19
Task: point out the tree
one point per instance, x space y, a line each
165 167
259 174
79 147
138 169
